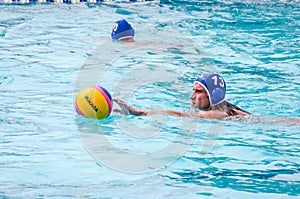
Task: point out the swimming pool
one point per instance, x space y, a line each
47 50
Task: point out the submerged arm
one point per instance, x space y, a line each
276 120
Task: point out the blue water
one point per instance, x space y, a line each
49 51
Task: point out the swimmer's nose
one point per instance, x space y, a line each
192 95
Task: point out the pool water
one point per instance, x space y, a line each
50 51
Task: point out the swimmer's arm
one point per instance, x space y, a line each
212 114
129 110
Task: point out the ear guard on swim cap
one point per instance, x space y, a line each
215 87
122 30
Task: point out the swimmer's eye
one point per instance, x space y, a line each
198 91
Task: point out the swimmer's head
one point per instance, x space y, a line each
215 87
122 30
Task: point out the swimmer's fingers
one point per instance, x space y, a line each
118 101
125 108
118 110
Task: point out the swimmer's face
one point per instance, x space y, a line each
199 97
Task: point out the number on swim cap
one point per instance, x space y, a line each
115 27
215 78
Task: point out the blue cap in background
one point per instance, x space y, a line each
122 30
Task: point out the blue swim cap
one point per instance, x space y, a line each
122 30
215 87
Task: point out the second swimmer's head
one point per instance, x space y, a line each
122 30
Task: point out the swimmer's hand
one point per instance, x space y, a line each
127 109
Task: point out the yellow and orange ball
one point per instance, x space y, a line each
94 102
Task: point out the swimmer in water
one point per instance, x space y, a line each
123 31
208 95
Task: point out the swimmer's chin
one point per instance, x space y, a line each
193 106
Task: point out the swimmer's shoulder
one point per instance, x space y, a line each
231 109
